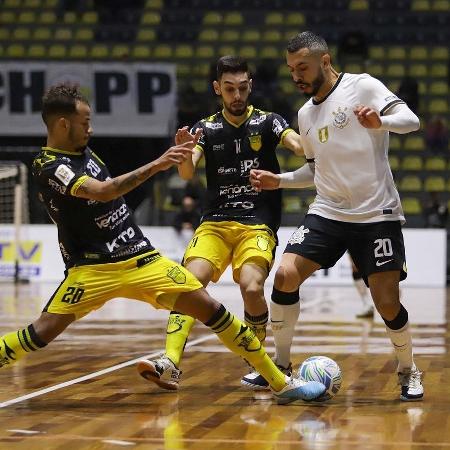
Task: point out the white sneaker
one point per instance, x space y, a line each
297 389
161 371
410 381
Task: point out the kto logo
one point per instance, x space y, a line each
27 251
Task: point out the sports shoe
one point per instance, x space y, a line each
161 371
366 313
256 382
410 381
297 389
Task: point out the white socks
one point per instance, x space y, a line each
283 319
402 342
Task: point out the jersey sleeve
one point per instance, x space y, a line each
62 177
201 145
280 128
375 94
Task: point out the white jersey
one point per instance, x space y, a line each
352 175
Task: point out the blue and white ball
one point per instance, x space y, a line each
322 369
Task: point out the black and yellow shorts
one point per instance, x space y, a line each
151 278
224 243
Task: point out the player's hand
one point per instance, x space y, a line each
264 180
367 117
175 155
183 136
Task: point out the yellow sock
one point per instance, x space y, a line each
240 339
15 345
258 324
178 328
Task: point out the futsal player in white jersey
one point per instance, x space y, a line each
344 130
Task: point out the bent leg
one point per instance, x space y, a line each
236 336
15 345
251 283
285 302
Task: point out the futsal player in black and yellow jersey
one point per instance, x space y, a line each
105 252
239 225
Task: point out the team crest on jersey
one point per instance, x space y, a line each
177 275
298 236
255 142
323 134
341 119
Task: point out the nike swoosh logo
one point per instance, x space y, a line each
382 263
308 131
276 321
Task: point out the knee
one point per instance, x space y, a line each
252 291
287 279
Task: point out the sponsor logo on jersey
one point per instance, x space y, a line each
298 236
226 170
233 190
176 274
214 125
243 205
255 142
323 134
112 218
341 119
218 147
93 168
57 187
277 127
130 250
248 164
123 237
64 174
258 120
64 252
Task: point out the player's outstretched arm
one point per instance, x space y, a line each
108 190
300 178
292 141
264 180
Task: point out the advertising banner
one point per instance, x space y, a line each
127 99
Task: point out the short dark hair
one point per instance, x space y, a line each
61 99
231 64
309 40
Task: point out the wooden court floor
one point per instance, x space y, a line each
83 392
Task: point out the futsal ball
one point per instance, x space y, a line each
322 369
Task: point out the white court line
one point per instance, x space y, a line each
94 374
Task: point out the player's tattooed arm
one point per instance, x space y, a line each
113 188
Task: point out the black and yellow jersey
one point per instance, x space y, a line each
230 152
89 232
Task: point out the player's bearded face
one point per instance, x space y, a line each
315 85
307 72
235 89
